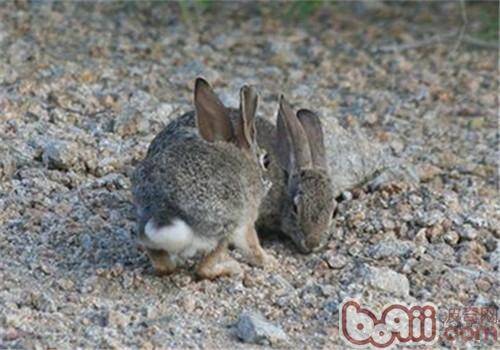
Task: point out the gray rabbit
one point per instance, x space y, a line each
300 204
200 186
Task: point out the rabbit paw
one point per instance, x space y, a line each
263 260
161 261
270 262
223 268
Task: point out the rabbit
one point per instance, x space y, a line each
301 202
200 186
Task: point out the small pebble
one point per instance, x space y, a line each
252 327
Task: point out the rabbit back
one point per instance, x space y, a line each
204 185
182 127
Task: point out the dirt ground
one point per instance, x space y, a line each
85 87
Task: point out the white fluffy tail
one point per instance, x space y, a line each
173 238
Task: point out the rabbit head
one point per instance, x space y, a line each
308 209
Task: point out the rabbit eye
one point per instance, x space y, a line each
265 161
295 204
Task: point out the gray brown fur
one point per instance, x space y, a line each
210 180
180 179
304 180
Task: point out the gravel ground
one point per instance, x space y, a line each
84 89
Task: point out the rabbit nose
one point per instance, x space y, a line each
319 246
314 244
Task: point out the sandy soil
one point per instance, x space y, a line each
84 89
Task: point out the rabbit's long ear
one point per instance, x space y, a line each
245 127
293 146
212 117
314 131
284 142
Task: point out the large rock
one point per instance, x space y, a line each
254 328
386 280
354 159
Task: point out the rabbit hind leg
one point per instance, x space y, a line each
247 240
161 260
218 263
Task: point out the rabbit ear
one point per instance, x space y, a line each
284 147
312 127
292 139
245 128
212 117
